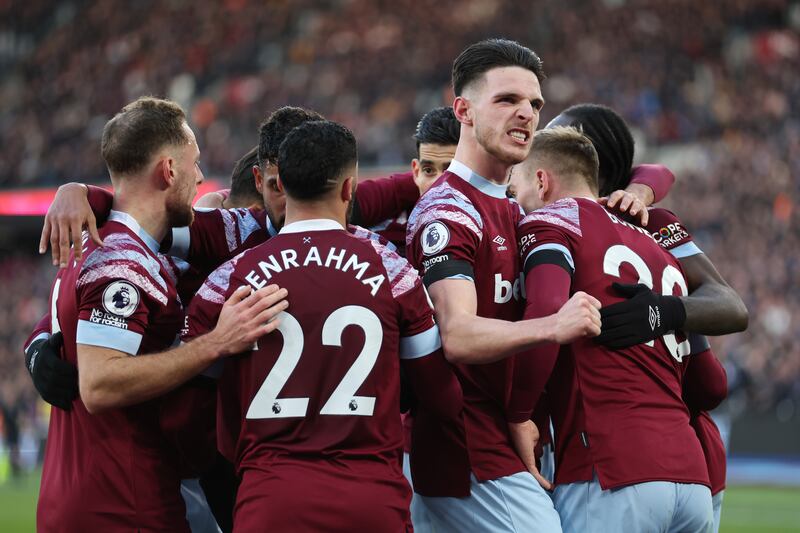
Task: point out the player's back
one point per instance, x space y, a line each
618 412
318 402
112 470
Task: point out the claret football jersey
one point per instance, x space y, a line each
315 405
618 413
464 227
114 470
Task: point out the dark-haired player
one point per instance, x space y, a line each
311 419
607 403
243 192
436 137
461 233
108 466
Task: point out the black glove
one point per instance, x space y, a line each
645 316
55 379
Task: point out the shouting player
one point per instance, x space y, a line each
461 233
311 420
107 464
607 403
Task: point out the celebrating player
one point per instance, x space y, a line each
107 465
311 420
606 403
462 234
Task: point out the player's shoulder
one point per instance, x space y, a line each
215 288
124 257
401 275
564 214
660 218
239 222
448 202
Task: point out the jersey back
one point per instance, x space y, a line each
321 395
619 412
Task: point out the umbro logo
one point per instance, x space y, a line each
654 317
500 242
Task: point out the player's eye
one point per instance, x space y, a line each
429 170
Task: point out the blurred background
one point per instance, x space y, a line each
712 90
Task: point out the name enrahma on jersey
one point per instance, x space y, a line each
333 258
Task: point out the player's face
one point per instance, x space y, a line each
505 109
187 177
433 161
274 198
523 187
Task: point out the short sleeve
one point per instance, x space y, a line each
206 306
670 233
217 235
118 287
544 236
444 233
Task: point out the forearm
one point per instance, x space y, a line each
714 309
658 178
114 379
472 339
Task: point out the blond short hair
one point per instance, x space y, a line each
568 153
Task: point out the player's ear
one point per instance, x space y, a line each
415 167
543 183
461 108
165 173
259 179
348 189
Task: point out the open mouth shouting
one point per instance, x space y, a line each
520 136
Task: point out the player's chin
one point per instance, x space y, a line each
515 153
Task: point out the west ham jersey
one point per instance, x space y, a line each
464 227
312 413
114 470
616 412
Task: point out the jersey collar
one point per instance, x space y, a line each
316 224
476 180
128 221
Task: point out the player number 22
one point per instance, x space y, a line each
343 401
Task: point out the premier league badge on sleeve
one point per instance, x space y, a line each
435 237
121 299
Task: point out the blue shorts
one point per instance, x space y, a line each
656 506
515 503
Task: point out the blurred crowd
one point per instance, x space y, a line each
712 88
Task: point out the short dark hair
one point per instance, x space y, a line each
138 131
243 183
313 157
612 139
438 126
568 152
275 129
480 57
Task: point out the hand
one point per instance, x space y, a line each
644 316
524 437
246 317
579 317
633 201
55 379
64 222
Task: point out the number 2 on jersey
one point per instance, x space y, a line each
618 254
343 401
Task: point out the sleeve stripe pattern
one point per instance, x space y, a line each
247 223
444 203
555 247
564 213
122 257
239 225
421 344
685 250
402 276
216 286
122 340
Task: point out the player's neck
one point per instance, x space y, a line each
148 212
481 162
574 192
299 211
